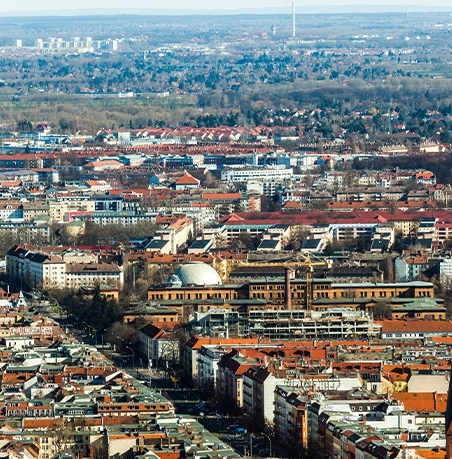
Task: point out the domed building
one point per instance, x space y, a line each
194 273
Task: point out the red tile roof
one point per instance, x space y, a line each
422 401
187 179
415 326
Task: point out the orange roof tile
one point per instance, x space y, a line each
415 326
187 179
422 401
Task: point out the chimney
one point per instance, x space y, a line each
287 292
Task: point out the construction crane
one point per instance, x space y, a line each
226 266
309 264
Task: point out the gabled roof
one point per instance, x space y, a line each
187 179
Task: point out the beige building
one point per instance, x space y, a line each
80 274
71 270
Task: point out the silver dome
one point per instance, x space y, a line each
197 273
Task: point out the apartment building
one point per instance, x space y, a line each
81 274
246 175
55 271
291 415
159 343
258 388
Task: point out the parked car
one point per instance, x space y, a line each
232 427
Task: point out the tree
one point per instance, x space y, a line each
397 246
362 245
209 179
328 249
100 448
122 335
382 311
24 126
296 239
59 438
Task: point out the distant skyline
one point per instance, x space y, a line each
31 6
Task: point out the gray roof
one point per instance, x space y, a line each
269 244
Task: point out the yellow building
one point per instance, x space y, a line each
199 281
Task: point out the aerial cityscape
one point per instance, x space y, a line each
226 230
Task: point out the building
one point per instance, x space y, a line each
291 415
83 274
52 270
259 385
159 343
205 283
264 174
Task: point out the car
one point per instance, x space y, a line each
240 431
232 427
264 452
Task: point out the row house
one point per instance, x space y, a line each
156 406
88 274
31 210
291 415
194 346
53 270
258 388
321 409
231 369
101 218
208 358
11 211
158 343
27 408
294 195
345 439
370 194
38 231
172 235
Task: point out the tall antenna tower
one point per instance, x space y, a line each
293 20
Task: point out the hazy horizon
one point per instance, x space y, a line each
200 6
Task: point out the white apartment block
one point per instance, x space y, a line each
81 274
12 212
208 358
445 269
54 271
267 174
157 344
28 231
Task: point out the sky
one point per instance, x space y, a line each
32 5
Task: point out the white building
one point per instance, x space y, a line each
158 344
208 358
53 271
245 175
85 274
258 393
